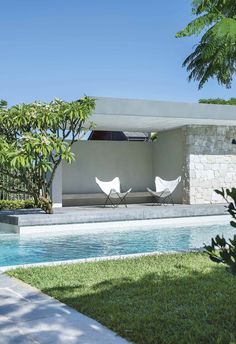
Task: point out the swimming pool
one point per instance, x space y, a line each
27 249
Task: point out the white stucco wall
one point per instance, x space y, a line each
131 161
56 188
169 158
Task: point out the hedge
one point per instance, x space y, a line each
16 204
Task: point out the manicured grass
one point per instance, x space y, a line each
177 299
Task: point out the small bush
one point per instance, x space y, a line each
220 250
16 204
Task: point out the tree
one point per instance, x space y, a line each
34 139
215 57
215 54
231 101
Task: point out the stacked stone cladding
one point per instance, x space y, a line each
210 162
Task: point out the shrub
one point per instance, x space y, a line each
16 204
221 251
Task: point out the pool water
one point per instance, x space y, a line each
26 249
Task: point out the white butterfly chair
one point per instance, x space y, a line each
113 192
164 190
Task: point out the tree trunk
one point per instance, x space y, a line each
46 204
36 201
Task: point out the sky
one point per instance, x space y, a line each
110 48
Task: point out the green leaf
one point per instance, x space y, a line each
33 139
215 54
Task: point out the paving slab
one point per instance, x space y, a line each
29 316
15 336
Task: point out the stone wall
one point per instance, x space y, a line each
210 162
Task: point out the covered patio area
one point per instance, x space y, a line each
194 142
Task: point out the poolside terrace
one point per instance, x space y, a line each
194 142
68 218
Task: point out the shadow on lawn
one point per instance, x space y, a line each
176 307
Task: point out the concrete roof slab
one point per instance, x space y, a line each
150 115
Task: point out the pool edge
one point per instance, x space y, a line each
96 259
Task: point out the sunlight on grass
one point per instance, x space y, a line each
180 298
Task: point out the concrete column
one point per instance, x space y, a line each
56 189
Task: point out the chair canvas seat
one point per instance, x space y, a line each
164 190
112 190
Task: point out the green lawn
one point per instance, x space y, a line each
180 298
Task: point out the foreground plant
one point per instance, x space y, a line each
34 139
215 54
220 250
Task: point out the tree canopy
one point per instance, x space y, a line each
231 101
215 55
34 139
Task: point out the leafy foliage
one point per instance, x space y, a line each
16 204
215 54
231 101
34 139
221 251
153 136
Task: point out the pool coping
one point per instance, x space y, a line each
96 259
83 228
15 222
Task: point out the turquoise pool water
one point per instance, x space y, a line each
25 249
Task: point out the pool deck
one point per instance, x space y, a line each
14 221
28 316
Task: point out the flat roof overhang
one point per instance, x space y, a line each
118 114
